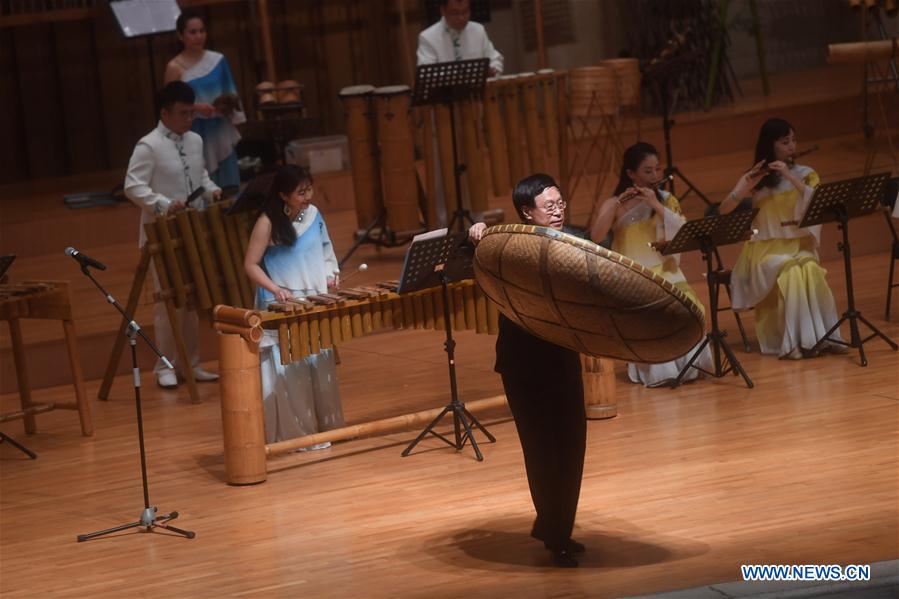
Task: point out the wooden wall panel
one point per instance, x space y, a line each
81 103
13 159
44 142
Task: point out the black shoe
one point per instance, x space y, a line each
562 558
571 546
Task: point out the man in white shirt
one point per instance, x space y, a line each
166 166
456 37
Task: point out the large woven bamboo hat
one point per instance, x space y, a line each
579 295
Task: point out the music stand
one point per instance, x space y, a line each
705 235
146 18
447 83
436 258
838 202
662 74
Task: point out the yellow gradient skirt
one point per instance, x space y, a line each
786 284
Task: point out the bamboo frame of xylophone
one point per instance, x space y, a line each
443 125
201 251
512 117
424 116
527 86
496 138
473 148
548 82
167 294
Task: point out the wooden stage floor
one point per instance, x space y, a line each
679 490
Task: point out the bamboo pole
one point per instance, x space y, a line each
376 427
267 41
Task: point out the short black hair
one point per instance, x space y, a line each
175 91
527 190
185 16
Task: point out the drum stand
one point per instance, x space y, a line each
426 259
148 519
384 238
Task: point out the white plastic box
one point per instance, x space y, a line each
319 154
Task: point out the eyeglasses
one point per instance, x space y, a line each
552 207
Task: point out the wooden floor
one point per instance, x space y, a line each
679 490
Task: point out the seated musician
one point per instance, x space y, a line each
456 37
290 255
543 386
778 272
166 167
637 215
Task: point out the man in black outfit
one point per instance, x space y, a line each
545 392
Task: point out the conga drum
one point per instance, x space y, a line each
627 77
593 92
512 115
265 93
288 91
496 138
356 101
527 83
400 186
598 375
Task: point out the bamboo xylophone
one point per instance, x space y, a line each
343 316
309 325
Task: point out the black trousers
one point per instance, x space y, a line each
552 426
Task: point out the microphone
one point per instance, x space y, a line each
84 260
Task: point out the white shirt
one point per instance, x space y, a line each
166 167
440 43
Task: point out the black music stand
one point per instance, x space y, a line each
663 74
436 258
448 83
705 235
838 202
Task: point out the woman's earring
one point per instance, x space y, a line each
287 210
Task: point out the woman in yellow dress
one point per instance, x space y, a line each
638 215
778 272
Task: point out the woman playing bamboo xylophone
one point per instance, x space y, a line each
290 255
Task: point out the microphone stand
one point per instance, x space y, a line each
149 520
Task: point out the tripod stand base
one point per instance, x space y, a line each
853 316
462 419
17 445
723 364
148 521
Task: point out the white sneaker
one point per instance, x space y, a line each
204 376
167 379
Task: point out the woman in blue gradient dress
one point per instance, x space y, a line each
290 255
217 109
